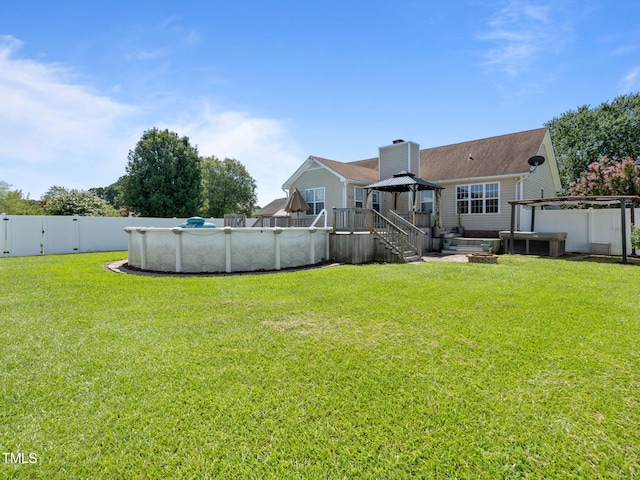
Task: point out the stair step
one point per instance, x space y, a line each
466 248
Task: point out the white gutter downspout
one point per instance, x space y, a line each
520 196
344 193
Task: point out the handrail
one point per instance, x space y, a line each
415 235
322 212
389 233
397 233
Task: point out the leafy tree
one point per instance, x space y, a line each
4 188
582 136
164 177
229 187
60 201
112 193
12 202
608 177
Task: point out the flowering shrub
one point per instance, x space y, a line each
635 236
608 177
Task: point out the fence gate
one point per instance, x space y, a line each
22 235
4 239
59 235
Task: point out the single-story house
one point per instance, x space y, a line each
273 214
478 177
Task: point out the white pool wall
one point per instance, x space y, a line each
226 250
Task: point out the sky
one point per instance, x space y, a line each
272 82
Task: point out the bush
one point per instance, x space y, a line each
60 201
635 236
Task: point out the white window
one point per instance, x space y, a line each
375 200
358 197
315 199
426 201
478 198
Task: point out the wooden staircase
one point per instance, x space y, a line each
394 250
402 241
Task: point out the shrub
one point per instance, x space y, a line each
635 236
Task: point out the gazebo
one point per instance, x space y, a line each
621 200
404 181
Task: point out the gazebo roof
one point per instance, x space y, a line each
403 182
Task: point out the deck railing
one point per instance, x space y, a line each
396 232
419 219
352 220
235 220
389 233
415 236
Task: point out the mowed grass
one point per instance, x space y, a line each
526 369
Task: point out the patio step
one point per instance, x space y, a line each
412 257
466 248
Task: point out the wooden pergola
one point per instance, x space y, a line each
621 200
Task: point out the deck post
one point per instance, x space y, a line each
513 226
633 222
623 217
352 219
533 218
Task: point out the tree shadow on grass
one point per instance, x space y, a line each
631 260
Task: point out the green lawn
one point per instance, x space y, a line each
526 369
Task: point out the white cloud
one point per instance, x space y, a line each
521 33
262 145
625 49
631 81
54 131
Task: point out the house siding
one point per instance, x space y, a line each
542 178
317 177
398 157
488 221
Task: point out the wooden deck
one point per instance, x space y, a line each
362 235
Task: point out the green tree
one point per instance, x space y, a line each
112 193
582 136
229 188
61 201
164 177
12 202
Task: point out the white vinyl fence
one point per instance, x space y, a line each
584 226
22 235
